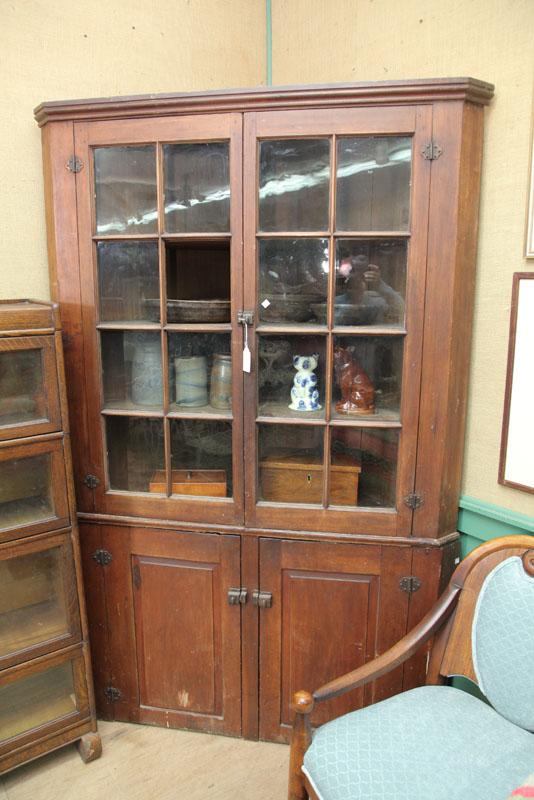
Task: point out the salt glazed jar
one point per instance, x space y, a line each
221 382
147 379
191 381
304 393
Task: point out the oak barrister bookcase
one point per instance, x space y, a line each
267 300
46 692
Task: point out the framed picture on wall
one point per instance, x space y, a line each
516 467
529 243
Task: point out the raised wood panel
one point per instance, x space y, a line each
334 607
343 640
178 602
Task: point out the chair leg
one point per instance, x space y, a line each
300 741
90 747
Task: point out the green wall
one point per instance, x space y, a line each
479 522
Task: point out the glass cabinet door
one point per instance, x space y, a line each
38 611
39 698
33 489
29 401
163 241
331 256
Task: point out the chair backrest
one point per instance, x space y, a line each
491 640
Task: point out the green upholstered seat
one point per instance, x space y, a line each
431 743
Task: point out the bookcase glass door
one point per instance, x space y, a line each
166 286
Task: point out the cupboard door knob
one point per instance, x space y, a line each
262 599
237 597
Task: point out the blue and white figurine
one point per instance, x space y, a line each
304 393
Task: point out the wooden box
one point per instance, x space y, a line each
292 478
205 482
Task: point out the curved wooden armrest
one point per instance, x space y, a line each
397 654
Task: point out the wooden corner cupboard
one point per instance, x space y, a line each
46 692
267 299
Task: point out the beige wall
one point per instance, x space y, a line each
316 41
54 50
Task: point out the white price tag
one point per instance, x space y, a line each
246 359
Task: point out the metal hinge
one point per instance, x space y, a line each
410 584
262 599
74 164
102 557
91 481
112 694
245 317
237 597
413 500
431 151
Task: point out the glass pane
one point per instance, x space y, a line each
25 491
200 372
128 278
363 469
201 457
291 376
197 187
293 284
135 452
373 183
33 605
291 464
125 190
370 282
22 394
29 702
198 281
367 377
294 185
131 370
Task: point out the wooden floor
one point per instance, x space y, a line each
145 763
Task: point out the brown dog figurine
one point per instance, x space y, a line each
357 390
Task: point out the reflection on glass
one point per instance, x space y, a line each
370 282
201 457
197 187
29 702
367 377
22 395
125 190
200 372
290 464
128 279
291 376
293 280
364 467
294 185
135 452
131 369
198 281
373 183
25 491
32 600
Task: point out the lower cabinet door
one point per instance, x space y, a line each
172 647
334 607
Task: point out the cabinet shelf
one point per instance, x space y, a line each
198 412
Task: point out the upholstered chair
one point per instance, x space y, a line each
438 742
